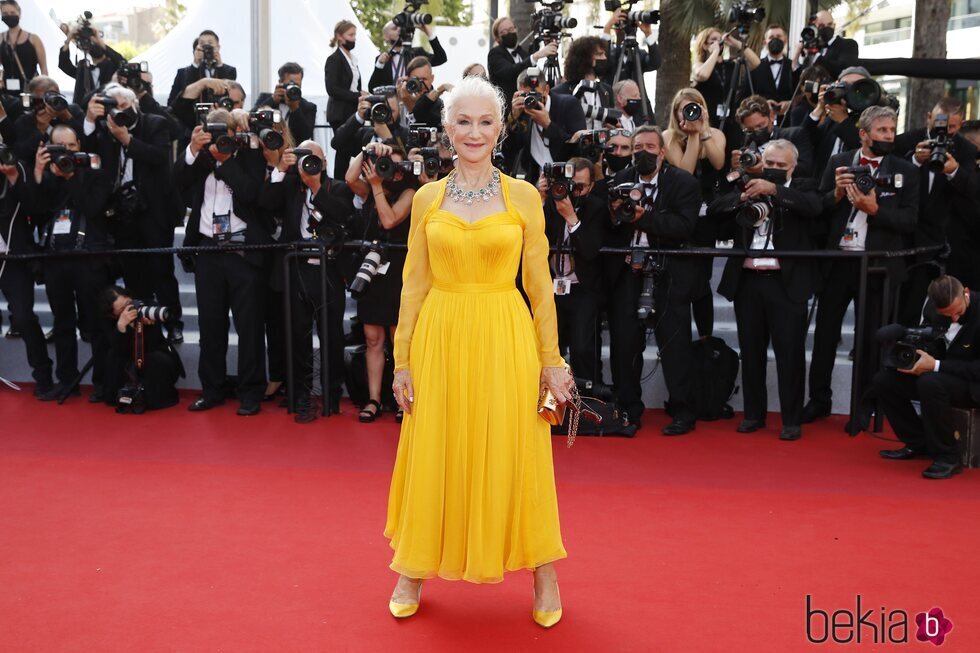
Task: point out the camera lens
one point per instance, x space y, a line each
691 111
311 165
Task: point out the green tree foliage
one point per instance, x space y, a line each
373 14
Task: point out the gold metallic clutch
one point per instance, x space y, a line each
549 409
554 413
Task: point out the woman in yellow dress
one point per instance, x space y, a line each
473 488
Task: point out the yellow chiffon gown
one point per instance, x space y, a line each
473 488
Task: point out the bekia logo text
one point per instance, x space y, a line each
876 625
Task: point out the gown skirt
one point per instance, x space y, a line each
473 489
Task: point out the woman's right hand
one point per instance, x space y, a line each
403 390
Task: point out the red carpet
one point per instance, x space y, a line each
211 532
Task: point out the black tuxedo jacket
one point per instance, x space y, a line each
82 73
86 193
605 93
427 111
384 76
503 71
804 147
669 224
585 241
934 205
764 84
824 136
341 101
962 357
300 121
793 209
650 59
353 135
335 202
841 54
566 119
18 236
898 210
149 149
187 76
244 174
26 136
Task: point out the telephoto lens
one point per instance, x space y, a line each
692 111
56 101
151 312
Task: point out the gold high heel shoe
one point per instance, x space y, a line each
546 619
402 610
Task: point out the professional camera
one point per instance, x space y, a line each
593 143
7 156
940 142
533 100
308 162
151 312
652 271
53 99
752 214
380 111
744 13
373 261
902 343
866 181
636 17
131 398
548 23
692 112
223 141
558 176
602 114
201 111
129 75
125 203
208 59
67 161
859 95
630 195
225 102
293 91
409 18
415 86
262 122
85 34
749 156
422 136
120 117
386 167
811 88
431 161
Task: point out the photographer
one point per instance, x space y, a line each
72 194
940 379
540 125
575 220
392 64
21 53
771 212
585 64
774 78
49 109
665 217
17 277
806 99
650 59
314 208
219 93
386 212
627 98
506 60
834 53
207 65
142 367
361 128
419 95
222 188
142 86
297 112
757 119
833 127
135 151
88 74
877 219
342 77
618 155
713 76
947 169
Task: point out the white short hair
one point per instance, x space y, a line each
120 92
475 87
784 145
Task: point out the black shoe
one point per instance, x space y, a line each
905 453
281 390
57 391
175 333
367 416
49 336
43 386
247 408
679 427
942 470
201 404
814 411
791 433
305 411
98 395
399 416
750 425
12 333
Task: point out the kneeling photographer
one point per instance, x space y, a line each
575 220
937 366
314 209
142 367
385 183
770 211
651 204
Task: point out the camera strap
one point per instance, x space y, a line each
20 66
139 348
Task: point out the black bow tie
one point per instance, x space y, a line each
650 189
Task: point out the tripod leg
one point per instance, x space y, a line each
75 382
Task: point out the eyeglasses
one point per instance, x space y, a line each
620 132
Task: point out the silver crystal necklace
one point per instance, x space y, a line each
457 194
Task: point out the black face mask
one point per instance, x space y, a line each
632 107
646 163
96 52
617 163
349 45
757 136
11 21
826 33
601 67
775 46
774 175
509 41
881 148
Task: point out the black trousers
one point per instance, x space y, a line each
937 394
17 285
275 335
153 275
577 314
342 157
306 302
765 313
840 288
224 282
159 378
73 286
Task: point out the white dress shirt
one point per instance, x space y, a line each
856 231
218 200
352 62
539 143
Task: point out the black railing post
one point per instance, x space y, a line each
860 320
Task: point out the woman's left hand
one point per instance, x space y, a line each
559 380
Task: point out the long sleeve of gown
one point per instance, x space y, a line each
416 276
536 275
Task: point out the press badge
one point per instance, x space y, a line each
722 111
12 84
562 286
850 236
62 223
384 268
221 227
